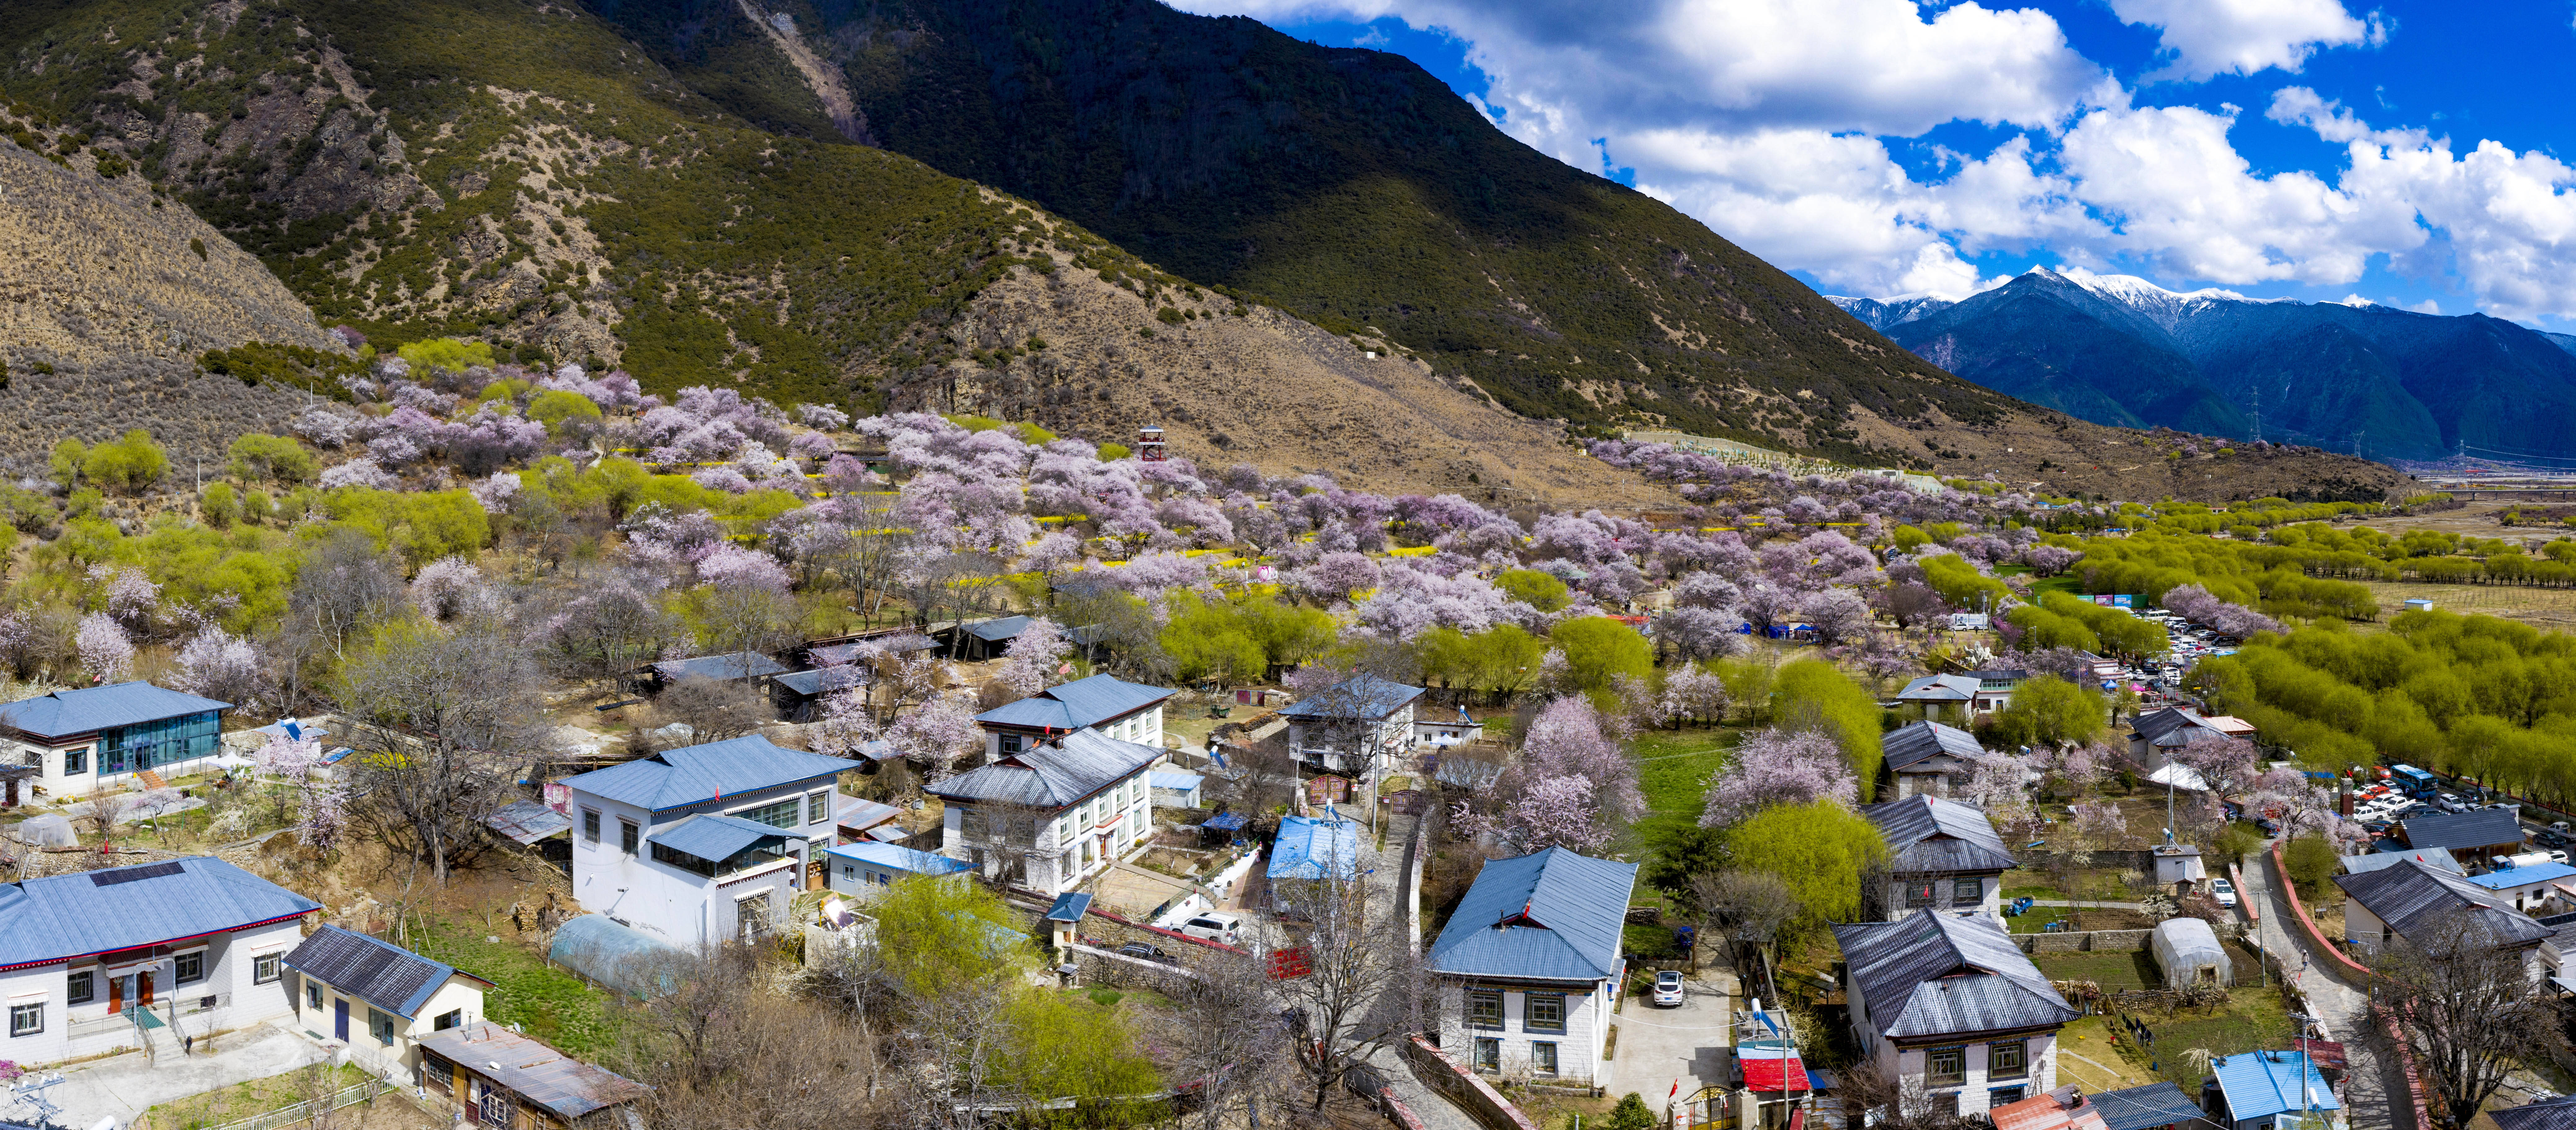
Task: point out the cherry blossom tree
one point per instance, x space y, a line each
939 732
1033 658
729 566
359 473
822 417
106 652
1839 614
126 593
1776 766
2098 822
2228 767
2049 560
1335 576
451 588
1694 694
1696 633
1556 812
495 493
216 664
2196 604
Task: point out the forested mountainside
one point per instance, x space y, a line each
2119 350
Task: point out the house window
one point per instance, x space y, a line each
1918 894
189 967
1543 1012
26 1019
452 1018
818 807
264 968
496 1106
629 837
2007 1061
75 761
779 815
312 994
1945 1067
382 1026
81 987
1485 1008
436 1073
850 873
1012 743
590 824
2005 1096
1489 1055
1543 1058
1967 892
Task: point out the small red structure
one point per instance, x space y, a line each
1149 443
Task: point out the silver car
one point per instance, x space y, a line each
1668 989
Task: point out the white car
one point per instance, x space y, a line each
1214 926
1668 989
2224 891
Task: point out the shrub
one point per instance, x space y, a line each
132 462
2310 860
66 460
553 408
1598 649
218 505
1815 693
446 353
258 455
510 390
1533 588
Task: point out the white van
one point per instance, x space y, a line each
1214 926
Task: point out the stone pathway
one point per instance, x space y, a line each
2343 1011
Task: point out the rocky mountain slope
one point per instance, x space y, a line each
2120 350
108 293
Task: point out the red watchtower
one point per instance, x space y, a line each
1149 443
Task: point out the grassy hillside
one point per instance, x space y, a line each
1358 192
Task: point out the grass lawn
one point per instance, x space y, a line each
240 1101
553 1005
2253 1019
2101 1067
1673 767
2112 971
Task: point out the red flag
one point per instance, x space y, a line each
1677 1089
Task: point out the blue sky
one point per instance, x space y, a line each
2408 154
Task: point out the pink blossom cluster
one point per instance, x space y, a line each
1776 766
2197 605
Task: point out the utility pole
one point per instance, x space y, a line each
2258 415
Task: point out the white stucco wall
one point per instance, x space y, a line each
229 961
1989 900
680 905
1578 1053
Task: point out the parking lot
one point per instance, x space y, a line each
1692 1044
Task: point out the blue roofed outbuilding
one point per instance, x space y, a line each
1311 848
2258 1085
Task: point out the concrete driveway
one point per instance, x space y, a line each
1694 1043
125 1086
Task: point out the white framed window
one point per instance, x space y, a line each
81 987
26 1019
189 968
264 968
818 807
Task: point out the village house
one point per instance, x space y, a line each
2411 900
863 871
1995 688
732 666
706 842
192 946
1926 759
1048 815
1355 728
1530 964
498 1079
1124 711
2155 736
378 998
112 735
1439 732
977 640
1943 856
1950 1007
2472 837
1942 697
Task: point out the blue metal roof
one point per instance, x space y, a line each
690 774
730 665
1069 907
1365 695
895 857
1315 849
64 713
123 907
1076 705
2522 876
2258 1084
1554 916
998 629
716 838
378 972
2140 1108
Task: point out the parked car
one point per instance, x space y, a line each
2267 827
1668 989
2223 891
1147 951
2549 839
1214 926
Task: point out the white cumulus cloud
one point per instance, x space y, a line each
2213 37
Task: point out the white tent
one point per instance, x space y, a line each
2188 952
2180 776
51 829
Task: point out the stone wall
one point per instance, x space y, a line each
2084 941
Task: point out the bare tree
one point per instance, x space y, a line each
344 586
747 620
1230 1037
606 631
443 719
714 709
2468 1004
1752 907
1004 837
1364 988
105 809
1870 1092
723 1051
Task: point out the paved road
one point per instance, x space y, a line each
2344 1010
124 1086
1657 1046
1388 895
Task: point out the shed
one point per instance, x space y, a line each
1309 848
733 665
2188 952
1175 789
864 870
1065 917
614 954
507 1079
526 821
983 639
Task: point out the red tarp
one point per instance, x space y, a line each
1772 1073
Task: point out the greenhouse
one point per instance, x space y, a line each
617 956
2189 953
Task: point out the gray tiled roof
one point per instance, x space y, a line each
1076 705
731 665
1908 744
2546 1114
689 774
382 974
1553 916
64 713
1364 695
2374 860
2484 827
1930 835
539 1074
998 629
810 683
825 655
2413 899
119 908
1941 688
2158 724
2141 1108
1946 975
1050 777
716 838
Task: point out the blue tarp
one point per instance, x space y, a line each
1224 822
1316 849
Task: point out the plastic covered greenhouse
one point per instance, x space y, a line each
2188 952
621 957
